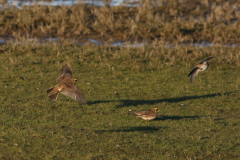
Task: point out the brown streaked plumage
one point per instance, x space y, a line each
148 115
202 66
66 86
65 73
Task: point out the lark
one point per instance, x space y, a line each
66 86
147 115
202 66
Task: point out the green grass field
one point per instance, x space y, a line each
196 121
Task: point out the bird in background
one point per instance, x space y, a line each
147 115
66 86
202 66
117 95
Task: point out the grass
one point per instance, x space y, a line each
196 121
187 21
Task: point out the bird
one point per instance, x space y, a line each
202 66
66 86
147 115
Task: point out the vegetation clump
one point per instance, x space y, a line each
169 21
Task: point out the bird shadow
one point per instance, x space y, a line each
162 118
133 129
126 103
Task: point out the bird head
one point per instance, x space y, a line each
155 109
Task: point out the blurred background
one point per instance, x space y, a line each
194 22
20 3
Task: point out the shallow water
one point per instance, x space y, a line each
20 3
9 40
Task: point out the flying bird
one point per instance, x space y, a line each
202 66
66 86
147 115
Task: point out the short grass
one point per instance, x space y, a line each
196 121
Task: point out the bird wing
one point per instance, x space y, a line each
206 60
65 72
73 91
140 113
194 70
143 113
193 74
147 114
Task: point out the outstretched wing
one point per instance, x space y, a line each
73 91
193 74
65 72
206 60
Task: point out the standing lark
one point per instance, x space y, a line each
202 66
66 86
148 115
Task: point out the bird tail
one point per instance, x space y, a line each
138 114
133 112
53 93
82 99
